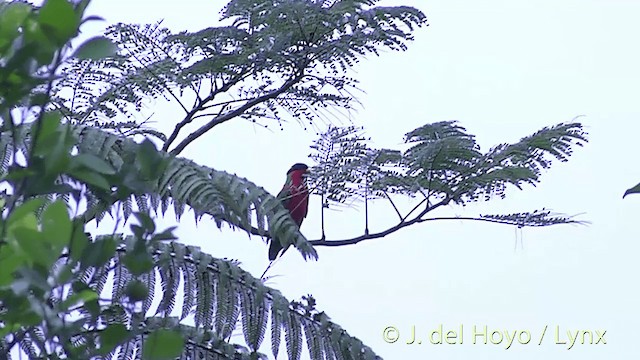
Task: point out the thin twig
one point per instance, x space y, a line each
232 114
399 226
394 205
190 114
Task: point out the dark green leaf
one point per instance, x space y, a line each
23 210
165 235
91 178
12 16
81 6
94 163
148 159
138 262
145 221
137 291
17 172
65 273
9 262
79 242
9 328
56 225
79 297
34 246
79 286
35 280
96 48
60 19
112 336
98 252
162 344
93 307
39 99
39 50
137 231
52 143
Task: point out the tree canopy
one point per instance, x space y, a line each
72 152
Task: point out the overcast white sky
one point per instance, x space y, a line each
504 69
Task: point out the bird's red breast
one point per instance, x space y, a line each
298 203
295 198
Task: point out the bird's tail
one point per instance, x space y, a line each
274 249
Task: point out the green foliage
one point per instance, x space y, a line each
348 169
274 56
54 161
218 294
442 164
96 48
67 158
162 344
156 181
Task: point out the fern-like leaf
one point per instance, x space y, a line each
222 292
225 197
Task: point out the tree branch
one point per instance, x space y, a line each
394 205
166 87
237 112
201 105
414 209
400 225
416 220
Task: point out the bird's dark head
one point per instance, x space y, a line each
298 167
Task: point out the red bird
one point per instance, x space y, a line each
295 198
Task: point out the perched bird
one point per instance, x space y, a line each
295 198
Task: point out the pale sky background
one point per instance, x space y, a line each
504 69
